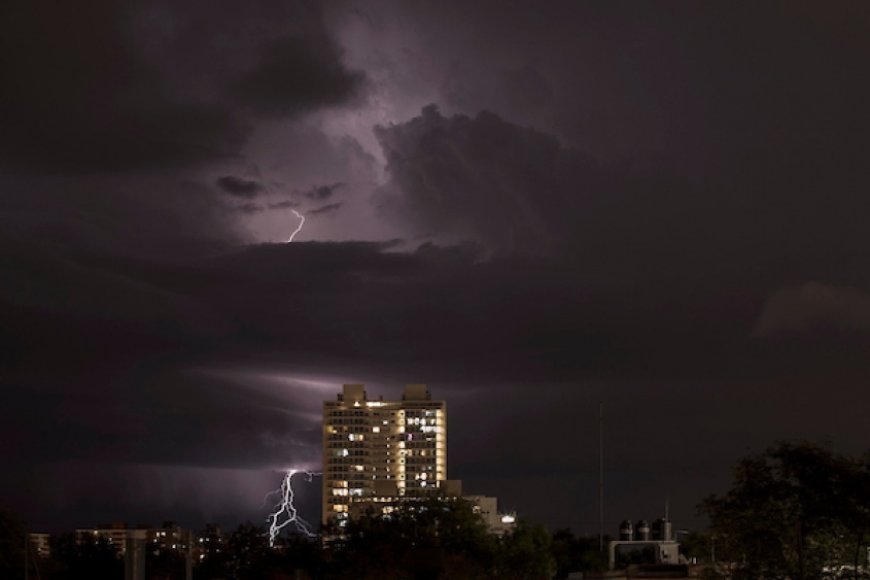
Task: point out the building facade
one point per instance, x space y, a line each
114 534
377 449
40 544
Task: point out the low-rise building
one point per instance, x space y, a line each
40 544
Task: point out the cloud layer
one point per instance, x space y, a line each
560 205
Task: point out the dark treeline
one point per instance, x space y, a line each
796 511
429 540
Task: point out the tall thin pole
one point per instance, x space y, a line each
601 476
188 561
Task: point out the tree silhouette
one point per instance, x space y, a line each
796 511
12 537
430 539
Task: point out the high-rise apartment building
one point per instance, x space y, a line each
376 450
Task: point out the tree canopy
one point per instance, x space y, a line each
797 510
439 539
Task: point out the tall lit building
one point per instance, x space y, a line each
376 450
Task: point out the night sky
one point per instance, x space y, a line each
531 207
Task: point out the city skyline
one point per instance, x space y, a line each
530 208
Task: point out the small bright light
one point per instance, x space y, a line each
508 519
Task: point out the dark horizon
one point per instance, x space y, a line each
531 209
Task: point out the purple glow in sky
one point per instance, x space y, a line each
529 207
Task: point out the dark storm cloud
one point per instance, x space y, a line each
527 87
326 209
457 174
248 208
812 305
672 285
322 192
240 187
701 86
511 321
78 97
566 321
121 86
517 189
283 205
296 74
510 90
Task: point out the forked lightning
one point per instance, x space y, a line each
286 506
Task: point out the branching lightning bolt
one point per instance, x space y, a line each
299 227
286 506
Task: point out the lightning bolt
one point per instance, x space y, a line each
286 506
299 227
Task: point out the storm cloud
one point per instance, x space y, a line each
296 74
239 187
326 209
811 305
322 192
86 90
531 209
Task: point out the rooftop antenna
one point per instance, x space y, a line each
601 476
